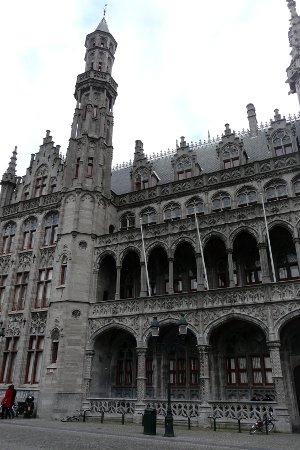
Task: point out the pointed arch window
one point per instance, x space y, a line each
54 345
172 212
194 205
29 233
221 201
40 186
247 196
90 167
296 186
63 270
275 190
127 221
51 228
148 216
8 237
282 143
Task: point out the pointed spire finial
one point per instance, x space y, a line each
104 10
13 162
292 7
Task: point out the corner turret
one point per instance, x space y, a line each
9 180
293 71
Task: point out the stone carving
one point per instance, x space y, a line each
76 313
24 261
47 257
5 262
82 245
38 323
14 325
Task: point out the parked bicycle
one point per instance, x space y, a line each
265 425
75 417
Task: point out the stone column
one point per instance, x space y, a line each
144 289
118 283
89 354
281 410
230 267
200 272
171 280
141 384
297 248
265 273
204 381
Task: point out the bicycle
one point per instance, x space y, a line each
264 426
75 417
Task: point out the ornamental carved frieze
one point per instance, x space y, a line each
38 323
46 257
24 261
116 308
131 322
5 262
14 326
257 312
242 297
167 303
180 187
282 310
173 318
285 292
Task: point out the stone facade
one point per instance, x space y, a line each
91 311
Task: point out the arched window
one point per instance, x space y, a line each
276 189
194 205
9 233
221 201
51 227
127 221
148 216
26 192
184 168
247 196
29 232
282 143
172 212
296 186
125 368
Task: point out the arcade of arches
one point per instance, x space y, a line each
246 263
237 364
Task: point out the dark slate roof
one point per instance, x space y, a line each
256 148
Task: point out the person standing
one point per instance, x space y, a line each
14 393
7 403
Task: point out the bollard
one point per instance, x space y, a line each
123 418
102 417
239 424
266 422
84 413
189 423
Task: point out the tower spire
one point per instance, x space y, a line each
293 71
13 163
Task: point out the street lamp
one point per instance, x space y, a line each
182 329
154 327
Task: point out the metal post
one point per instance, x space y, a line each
189 423
169 431
144 252
123 418
268 238
201 249
102 417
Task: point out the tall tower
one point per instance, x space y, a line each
9 180
89 156
293 71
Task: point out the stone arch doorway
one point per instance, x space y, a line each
114 366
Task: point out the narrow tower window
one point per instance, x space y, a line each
90 167
77 168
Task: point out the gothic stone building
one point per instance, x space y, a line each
221 322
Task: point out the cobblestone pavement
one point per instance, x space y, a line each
40 434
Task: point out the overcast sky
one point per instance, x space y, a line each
183 68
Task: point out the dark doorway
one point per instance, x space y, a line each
297 385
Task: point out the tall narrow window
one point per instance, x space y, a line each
149 372
172 371
34 359
54 345
3 279
51 227
44 288
8 238
77 168
29 232
194 371
181 372
9 358
90 167
127 221
63 271
20 291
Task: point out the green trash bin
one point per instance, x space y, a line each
149 421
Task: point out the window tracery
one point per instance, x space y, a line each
221 201
282 143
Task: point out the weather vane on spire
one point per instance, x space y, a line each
104 11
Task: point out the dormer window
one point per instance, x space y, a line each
40 186
231 158
141 183
282 143
183 174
